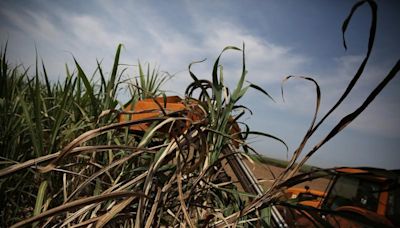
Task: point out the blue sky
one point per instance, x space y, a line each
282 38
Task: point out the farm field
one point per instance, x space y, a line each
266 172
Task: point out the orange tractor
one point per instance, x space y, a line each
192 111
354 197
149 108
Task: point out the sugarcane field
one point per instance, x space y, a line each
199 114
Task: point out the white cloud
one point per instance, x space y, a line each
149 37
89 31
174 49
267 62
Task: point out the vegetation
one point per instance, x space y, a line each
282 163
39 118
66 161
97 165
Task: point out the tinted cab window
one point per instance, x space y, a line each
351 191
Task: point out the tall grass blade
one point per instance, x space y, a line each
46 78
360 70
89 89
345 121
40 197
112 85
